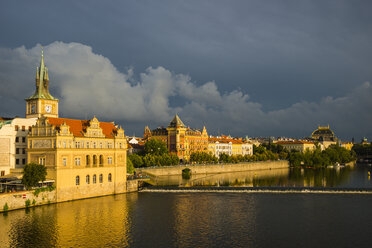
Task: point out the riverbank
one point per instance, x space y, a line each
29 199
214 168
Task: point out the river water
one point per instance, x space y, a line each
201 219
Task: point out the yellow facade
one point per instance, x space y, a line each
180 140
297 145
83 162
85 158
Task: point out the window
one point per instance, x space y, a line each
64 161
42 161
87 159
100 178
77 180
87 179
17 161
100 145
17 150
23 128
109 160
94 179
87 144
100 160
16 127
23 161
23 150
17 139
77 161
77 144
109 177
23 139
94 160
120 145
94 144
2 173
64 144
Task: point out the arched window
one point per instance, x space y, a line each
94 160
109 177
101 160
87 158
100 178
94 178
87 179
77 179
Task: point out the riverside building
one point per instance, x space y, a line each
227 145
85 158
180 140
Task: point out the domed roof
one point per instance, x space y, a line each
323 132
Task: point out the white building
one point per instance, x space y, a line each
13 143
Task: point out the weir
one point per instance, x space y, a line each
285 190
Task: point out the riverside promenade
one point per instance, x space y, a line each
214 168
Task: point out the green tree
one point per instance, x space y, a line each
155 147
136 160
33 174
174 159
130 167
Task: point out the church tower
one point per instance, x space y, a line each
41 103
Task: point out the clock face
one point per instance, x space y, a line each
48 108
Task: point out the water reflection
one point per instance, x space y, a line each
354 177
81 223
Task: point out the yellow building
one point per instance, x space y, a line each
346 145
85 158
227 145
180 140
298 145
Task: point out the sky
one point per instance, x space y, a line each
244 68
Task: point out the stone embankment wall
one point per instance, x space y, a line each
18 200
215 168
132 186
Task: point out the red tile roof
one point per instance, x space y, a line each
78 127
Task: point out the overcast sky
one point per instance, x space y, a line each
256 68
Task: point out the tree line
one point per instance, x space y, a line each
155 154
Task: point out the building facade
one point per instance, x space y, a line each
229 146
13 143
85 158
298 145
180 140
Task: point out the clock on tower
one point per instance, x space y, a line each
42 103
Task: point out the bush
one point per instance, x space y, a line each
186 173
27 203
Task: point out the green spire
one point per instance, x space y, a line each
42 81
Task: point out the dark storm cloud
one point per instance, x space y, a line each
278 52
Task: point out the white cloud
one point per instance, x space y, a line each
88 83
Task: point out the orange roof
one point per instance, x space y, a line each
78 127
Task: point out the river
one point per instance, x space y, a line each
201 219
